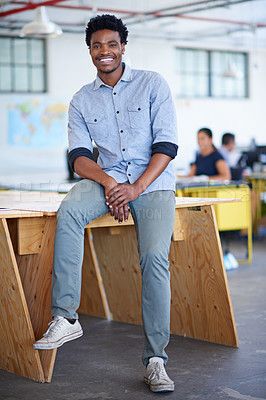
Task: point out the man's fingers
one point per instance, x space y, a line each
120 215
115 212
112 191
111 211
115 198
126 209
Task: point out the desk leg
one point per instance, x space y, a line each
201 304
16 333
36 275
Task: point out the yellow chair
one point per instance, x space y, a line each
231 216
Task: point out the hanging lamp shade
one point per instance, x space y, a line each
232 72
41 27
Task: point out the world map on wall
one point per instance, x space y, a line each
37 123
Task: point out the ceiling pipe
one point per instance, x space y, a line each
156 13
54 3
133 13
30 6
222 21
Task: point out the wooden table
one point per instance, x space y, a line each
200 307
258 182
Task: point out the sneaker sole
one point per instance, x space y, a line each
160 388
59 343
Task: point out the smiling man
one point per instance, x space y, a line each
130 116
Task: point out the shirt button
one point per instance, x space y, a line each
139 109
129 163
117 112
114 93
123 149
121 131
95 120
129 174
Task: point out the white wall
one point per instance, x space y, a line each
69 67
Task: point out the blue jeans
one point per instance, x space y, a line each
153 214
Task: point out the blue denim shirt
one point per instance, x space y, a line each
128 123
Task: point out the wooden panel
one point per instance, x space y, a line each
178 233
36 273
19 214
119 264
93 301
16 333
26 234
115 230
30 233
108 220
201 305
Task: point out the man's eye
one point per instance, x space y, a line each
113 45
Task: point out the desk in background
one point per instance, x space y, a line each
258 182
200 306
232 216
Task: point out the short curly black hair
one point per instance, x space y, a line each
106 21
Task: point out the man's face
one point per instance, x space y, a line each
231 145
106 50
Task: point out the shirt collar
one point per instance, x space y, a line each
127 76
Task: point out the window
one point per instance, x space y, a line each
22 65
192 73
205 73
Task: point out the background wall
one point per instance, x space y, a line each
69 67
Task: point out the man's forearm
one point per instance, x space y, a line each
157 165
87 168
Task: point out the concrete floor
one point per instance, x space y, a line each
105 363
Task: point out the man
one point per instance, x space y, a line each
130 116
231 156
227 150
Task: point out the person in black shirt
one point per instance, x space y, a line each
209 161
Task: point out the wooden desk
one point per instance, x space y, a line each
258 182
200 306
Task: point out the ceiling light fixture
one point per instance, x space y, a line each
232 72
41 27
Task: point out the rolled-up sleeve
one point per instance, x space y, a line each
163 119
80 143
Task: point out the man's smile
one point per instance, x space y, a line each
106 60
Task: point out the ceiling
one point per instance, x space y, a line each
238 23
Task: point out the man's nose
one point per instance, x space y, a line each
105 49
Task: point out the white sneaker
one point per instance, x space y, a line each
156 377
59 332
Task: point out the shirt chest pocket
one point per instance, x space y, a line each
139 115
97 125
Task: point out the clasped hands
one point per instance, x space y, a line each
118 198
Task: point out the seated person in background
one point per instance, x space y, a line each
228 144
209 161
231 156
228 151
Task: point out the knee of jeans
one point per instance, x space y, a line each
154 257
67 212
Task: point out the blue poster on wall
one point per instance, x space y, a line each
37 123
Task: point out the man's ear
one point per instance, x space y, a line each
123 48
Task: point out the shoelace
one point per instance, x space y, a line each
53 325
158 372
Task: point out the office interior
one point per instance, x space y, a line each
213 56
